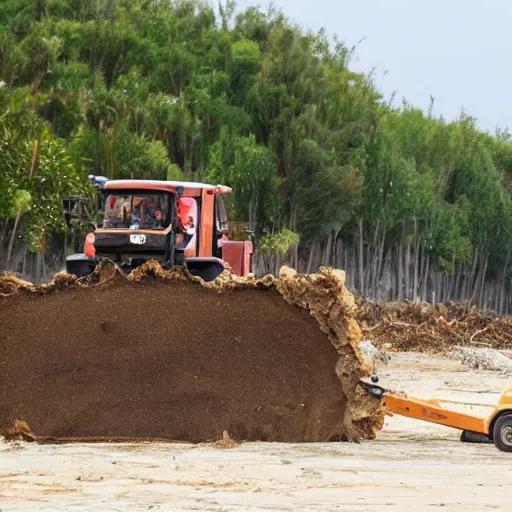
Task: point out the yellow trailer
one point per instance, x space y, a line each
496 427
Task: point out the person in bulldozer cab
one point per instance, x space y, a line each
186 224
136 213
145 213
116 208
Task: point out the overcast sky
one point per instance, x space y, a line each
458 51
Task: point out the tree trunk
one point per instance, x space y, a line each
471 276
24 265
424 290
407 270
13 238
371 262
475 293
416 260
400 291
277 264
502 284
381 257
310 260
294 229
335 249
456 293
327 252
345 266
368 270
482 282
361 258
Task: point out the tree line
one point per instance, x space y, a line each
324 170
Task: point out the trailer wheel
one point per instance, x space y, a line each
468 436
502 433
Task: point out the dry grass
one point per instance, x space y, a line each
19 431
226 441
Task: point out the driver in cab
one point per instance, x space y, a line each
143 214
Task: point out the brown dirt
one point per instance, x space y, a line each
162 355
422 327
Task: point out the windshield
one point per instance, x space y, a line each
137 210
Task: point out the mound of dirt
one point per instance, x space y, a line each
160 354
422 327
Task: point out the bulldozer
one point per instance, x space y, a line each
172 222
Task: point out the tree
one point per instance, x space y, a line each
324 171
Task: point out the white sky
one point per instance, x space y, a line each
458 51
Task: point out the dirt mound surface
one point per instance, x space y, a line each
425 328
164 355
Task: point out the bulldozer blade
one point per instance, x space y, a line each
159 354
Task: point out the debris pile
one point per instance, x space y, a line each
163 355
408 326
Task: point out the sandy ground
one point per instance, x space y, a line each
411 466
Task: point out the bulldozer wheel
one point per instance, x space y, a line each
79 265
502 433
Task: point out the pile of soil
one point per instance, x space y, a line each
422 327
163 355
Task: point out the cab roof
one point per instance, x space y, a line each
169 186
